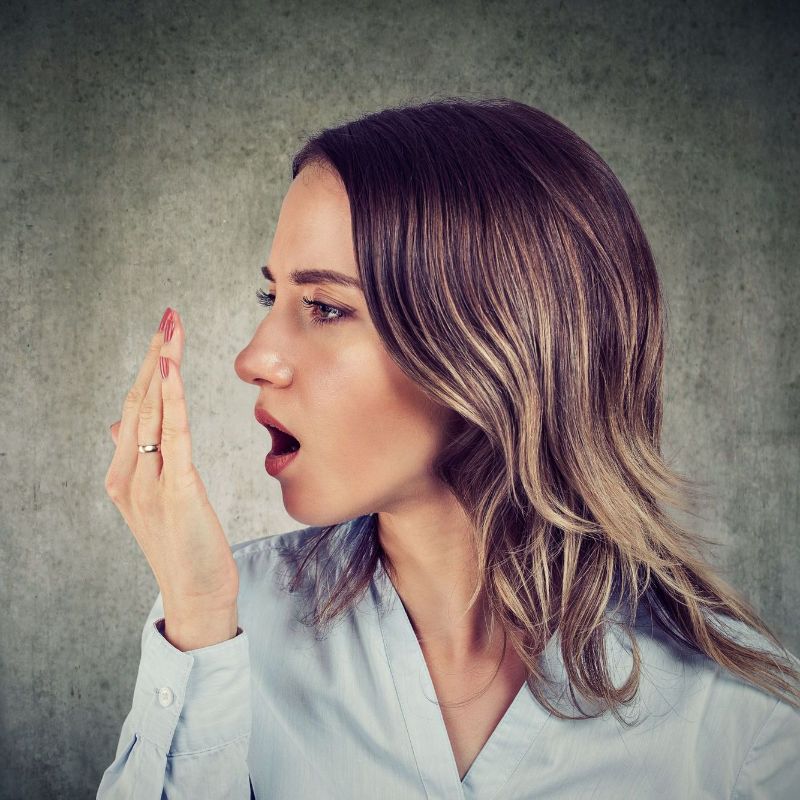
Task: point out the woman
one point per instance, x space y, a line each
464 350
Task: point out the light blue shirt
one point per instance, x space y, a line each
351 715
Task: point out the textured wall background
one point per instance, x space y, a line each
144 153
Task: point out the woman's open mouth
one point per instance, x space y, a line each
276 462
282 442
285 446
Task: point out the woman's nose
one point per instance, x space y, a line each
256 362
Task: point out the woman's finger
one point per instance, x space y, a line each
125 457
174 351
176 442
148 465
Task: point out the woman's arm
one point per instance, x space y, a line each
188 731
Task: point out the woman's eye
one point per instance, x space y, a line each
319 310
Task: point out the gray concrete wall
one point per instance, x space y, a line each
144 152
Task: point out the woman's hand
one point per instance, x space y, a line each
164 502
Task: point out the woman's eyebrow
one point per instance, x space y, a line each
303 277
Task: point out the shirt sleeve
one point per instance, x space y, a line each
771 770
188 731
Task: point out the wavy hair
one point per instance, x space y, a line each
507 274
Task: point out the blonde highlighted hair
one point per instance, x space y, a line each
507 274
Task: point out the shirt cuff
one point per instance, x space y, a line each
193 700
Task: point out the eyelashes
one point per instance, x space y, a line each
318 309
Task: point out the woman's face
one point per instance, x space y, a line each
368 434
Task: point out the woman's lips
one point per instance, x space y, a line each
275 464
269 421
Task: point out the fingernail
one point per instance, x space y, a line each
170 328
163 365
165 318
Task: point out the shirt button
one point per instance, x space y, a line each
165 696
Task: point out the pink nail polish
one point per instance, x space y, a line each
163 365
169 330
167 316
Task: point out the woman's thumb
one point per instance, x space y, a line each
114 428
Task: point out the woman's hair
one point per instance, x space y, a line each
507 274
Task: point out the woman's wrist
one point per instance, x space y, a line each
192 633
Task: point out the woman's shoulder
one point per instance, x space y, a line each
766 726
677 678
277 542
321 552
724 735
265 556
291 544
664 648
